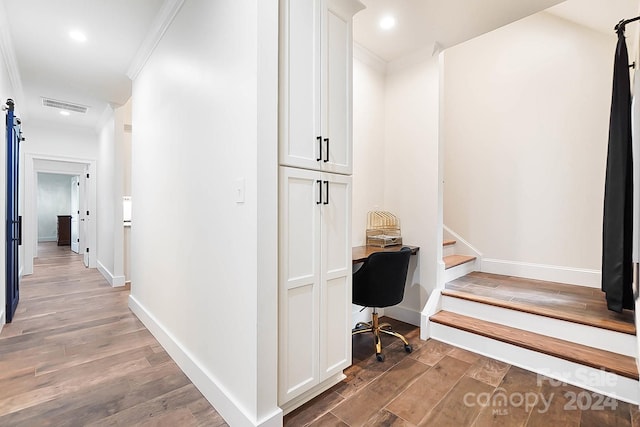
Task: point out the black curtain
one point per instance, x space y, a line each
617 227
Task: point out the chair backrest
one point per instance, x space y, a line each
380 281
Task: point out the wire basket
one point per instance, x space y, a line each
383 229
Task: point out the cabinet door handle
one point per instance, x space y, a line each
326 200
326 140
19 230
319 199
319 139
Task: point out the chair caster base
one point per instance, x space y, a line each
408 348
380 357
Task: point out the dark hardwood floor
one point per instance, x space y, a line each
75 355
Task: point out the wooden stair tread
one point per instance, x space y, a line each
455 260
609 324
448 242
578 353
579 304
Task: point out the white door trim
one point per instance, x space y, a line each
34 163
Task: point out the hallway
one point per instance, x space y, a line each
76 355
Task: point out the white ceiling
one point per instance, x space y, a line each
91 73
422 23
51 65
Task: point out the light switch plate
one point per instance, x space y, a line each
239 190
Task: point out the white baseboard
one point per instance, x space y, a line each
551 273
114 281
403 314
2 320
362 316
226 406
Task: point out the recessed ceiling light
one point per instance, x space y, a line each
387 22
77 36
65 113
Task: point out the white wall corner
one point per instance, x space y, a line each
369 58
226 405
2 320
9 56
163 19
114 281
106 114
410 60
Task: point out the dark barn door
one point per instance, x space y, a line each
14 223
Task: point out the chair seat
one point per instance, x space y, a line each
380 283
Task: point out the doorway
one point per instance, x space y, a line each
84 169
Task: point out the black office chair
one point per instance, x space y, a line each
380 283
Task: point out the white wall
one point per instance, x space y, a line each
203 266
396 161
59 141
412 171
54 198
126 185
113 172
368 140
105 202
526 119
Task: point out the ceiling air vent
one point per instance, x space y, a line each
64 105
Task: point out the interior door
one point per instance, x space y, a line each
84 218
14 223
75 213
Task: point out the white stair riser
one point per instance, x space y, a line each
458 271
606 383
449 250
603 339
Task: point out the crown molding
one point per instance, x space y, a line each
9 56
369 58
163 19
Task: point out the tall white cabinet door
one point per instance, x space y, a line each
337 92
336 266
299 292
300 91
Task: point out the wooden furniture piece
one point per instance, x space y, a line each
64 230
361 253
315 150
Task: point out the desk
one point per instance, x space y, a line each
361 253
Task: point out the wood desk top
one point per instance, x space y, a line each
361 253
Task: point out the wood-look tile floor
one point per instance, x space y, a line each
75 355
443 386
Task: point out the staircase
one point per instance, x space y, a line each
456 265
563 332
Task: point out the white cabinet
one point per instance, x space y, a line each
314 310
316 84
315 281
